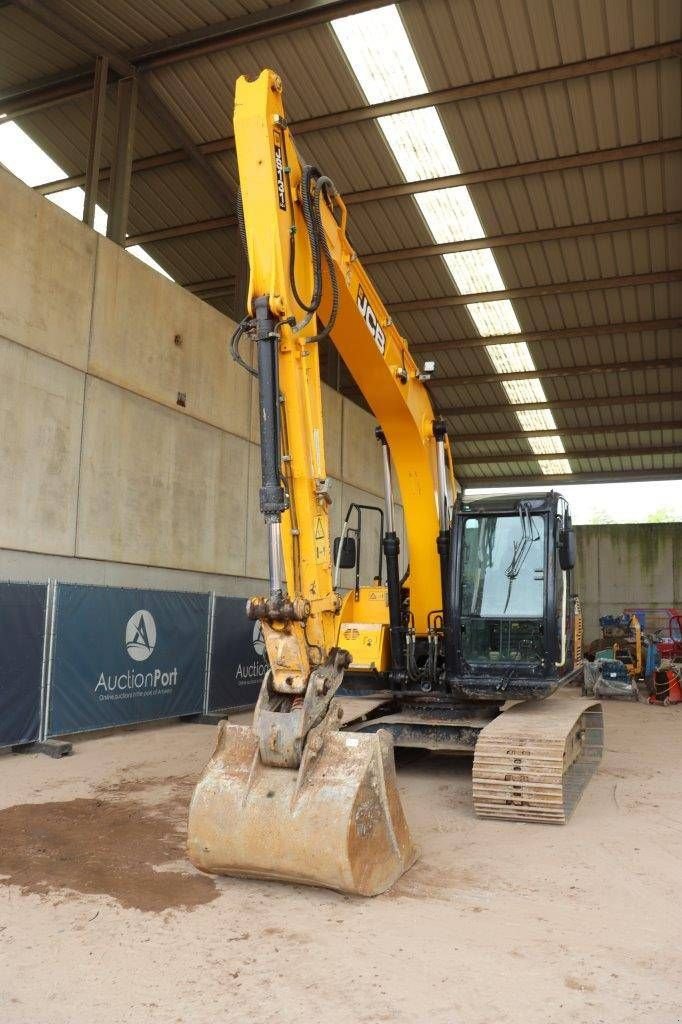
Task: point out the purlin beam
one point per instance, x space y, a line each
214 285
600 227
465 245
493 86
624 476
559 163
288 18
143 163
537 290
548 372
224 35
264 24
546 166
218 285
181 230
583 453
554 334
589 430
600 401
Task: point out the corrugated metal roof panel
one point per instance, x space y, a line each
471 41
28 50
125 24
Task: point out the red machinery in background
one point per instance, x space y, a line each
670 646
667 680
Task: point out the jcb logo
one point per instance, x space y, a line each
371 320
279 167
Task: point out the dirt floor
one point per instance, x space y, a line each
102 919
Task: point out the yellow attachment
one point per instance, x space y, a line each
370 604
368 643
364 629
335 822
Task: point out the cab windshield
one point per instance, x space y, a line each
502 595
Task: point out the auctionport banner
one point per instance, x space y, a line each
122 656
22 630
238 660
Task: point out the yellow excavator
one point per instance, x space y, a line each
483 615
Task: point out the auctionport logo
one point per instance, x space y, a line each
141 635
257 639
140 642
253 671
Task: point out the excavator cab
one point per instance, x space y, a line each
513 616
510 626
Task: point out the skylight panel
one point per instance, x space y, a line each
547 445
474 271
383 60
554 466
493 318
28 162
522 392
72 200
141 254
512 358
536 419
450 214
419 144
380 54
24 158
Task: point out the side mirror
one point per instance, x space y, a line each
567 549
348 552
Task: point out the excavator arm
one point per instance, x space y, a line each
292 797
306 282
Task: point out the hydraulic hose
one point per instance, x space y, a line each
313 186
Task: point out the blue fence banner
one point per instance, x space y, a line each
238 660
122 656
22 636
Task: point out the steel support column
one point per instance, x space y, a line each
119 198
99 102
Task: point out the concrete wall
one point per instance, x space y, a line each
104 477
627 566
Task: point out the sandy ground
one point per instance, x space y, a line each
102 920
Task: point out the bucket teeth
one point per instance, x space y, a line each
337 821
534 761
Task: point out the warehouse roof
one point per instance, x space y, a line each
562 120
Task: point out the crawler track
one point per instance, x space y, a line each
534 761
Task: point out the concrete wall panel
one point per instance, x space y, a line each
137 316
48 265
41 406
627 566
361 465
256 546
333 405
38 567
158 488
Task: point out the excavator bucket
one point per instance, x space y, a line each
336 821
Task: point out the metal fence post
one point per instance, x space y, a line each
209 650
48 649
